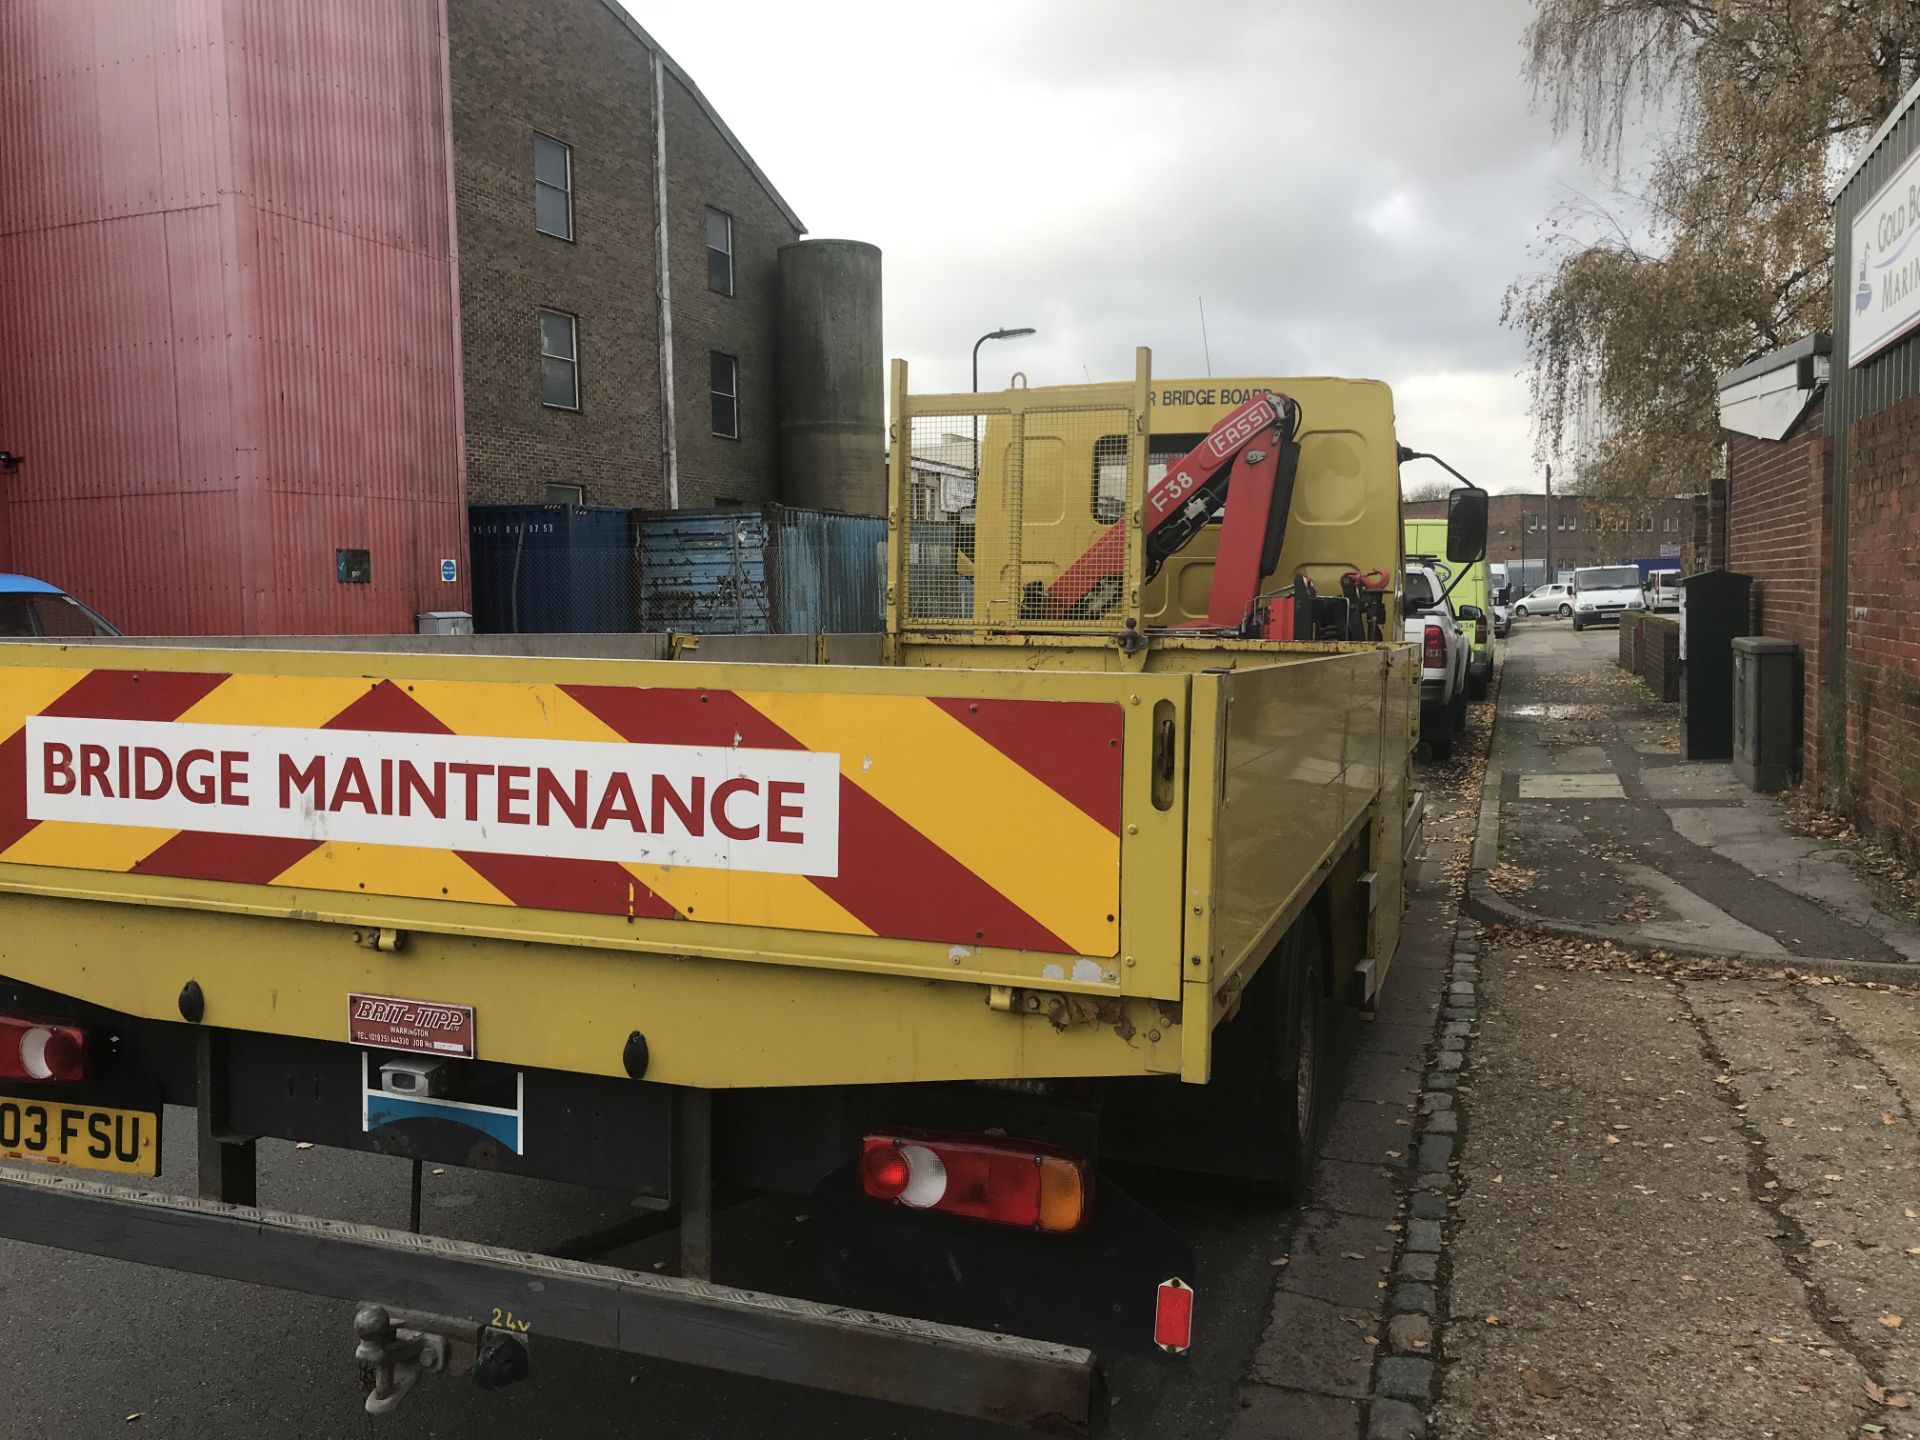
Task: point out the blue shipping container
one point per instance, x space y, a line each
771 570
551 569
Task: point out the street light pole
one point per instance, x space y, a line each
1002 334
1550 576
1012 334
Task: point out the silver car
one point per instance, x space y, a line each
1547 600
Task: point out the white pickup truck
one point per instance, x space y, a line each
1445 653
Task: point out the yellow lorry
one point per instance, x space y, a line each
922 926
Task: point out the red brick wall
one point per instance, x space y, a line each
1883 625
1778 523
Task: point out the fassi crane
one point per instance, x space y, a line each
1247 465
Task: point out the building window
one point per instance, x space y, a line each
566 494
719 252
552 187
725 387
559 360
1573 521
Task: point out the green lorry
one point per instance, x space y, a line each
1426 542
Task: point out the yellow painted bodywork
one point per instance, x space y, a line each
1277 764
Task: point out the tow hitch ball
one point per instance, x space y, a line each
394 1356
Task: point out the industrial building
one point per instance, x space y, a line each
285 285
1537 535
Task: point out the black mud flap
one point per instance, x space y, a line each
1098 1288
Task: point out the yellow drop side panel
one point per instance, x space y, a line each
1306 760
714 842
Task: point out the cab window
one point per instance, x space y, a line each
1110 469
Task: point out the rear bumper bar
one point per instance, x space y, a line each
1031 1384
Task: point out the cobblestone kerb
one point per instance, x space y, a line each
1407 1368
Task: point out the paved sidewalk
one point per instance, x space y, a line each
1687 1206
1594 826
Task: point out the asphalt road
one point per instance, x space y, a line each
85 1344
92 1348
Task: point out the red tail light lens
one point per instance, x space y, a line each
1435 648
37 1050
1479 632
1017 1183
884 1171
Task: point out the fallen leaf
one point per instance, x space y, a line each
1892 1322
1787 1120
303 1145
1876 1393
1886 1119
1282 1260
1899 1402
1493 1319
1540 1387
1351 1255
134 1416
1824 1244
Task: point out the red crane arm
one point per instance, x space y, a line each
1238 465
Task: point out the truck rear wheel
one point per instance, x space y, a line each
1296 1081
1436 727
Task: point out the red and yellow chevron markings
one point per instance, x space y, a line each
969 822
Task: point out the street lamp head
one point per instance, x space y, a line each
1014 333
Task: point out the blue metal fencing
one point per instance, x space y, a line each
770 570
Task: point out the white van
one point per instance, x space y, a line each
1663 590
1605 592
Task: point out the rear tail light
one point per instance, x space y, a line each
1480 632
1017 1183
39 1050
1435 648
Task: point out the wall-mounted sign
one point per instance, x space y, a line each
1885 284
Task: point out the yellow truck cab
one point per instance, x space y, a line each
922 927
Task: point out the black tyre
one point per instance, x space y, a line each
1565 611
1460 704
1477 686
1578 625
1519 612
1293 1103
1437 728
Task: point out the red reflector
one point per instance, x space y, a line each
1012 1182
38 1050
1173 1315
1435 648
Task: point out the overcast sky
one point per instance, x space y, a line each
1351 187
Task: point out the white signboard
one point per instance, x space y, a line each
1885 284
726 807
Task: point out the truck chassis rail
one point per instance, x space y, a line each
1032 1384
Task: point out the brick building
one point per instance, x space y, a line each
1524 531
1822 501
1776 508
577 144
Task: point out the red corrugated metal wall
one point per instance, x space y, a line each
228 332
